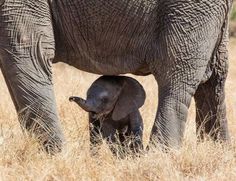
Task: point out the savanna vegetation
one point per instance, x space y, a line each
20 158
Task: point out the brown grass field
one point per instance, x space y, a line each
20 158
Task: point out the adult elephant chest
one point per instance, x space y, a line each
105 37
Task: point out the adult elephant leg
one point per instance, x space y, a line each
26 52
184 49
178 73
174 101
210 98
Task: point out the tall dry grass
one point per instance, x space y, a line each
20 158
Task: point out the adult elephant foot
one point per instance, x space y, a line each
26 52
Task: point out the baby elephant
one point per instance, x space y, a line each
113 103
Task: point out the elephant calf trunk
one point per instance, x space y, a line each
82 103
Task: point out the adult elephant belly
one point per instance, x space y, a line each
105 37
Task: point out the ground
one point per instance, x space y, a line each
20 158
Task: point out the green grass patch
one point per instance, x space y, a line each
233 13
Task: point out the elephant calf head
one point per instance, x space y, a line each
115 101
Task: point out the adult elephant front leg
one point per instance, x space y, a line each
26 52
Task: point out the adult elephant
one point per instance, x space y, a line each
182 43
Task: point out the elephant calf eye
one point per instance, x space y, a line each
104 99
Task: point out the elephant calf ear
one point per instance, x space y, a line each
131 98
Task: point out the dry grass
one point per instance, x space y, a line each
21 160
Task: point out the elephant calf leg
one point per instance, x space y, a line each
94 132
136 129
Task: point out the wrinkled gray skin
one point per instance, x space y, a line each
113 103
182 43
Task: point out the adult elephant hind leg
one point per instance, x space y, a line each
211 111
26 52
178 73
210 99
184 50
169 125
